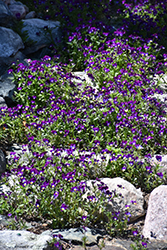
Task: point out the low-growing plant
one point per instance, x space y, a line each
76 131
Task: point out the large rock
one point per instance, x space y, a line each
10 42
5 15
31 14
77 234
129 198
7 88
24 240
18 10
2 162
36 29
155 226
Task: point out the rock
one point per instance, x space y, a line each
2 162
7 2
127 195
2 102
7 88
10 42
155 226
121 244
77 234
5 15
31 14
35 28
81 77
13 239
18 10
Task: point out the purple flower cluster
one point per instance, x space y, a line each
67 125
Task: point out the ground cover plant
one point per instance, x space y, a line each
72 132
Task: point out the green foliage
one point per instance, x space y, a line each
116 115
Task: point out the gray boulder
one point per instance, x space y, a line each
18 10
37 32
10 42
2 162
129 198
155 226
7 88
5 15
77 234
20 240
31 14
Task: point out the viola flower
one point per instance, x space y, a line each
58 245
160 175
74 189
91 198
124 168
64 207
135 233
148 168
58 236
144 244
95 129
37 204
158 158
56 194
84 218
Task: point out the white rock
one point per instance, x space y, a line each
155 226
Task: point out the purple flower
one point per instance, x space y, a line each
56 194
74 189
135 233
18 15
159 158
106 70
58 236
144 244
91 198
57 244
84 218
95 129
37 204
10 71
160 175
124 168
64 207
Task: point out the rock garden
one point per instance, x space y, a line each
83 147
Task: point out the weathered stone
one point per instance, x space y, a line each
6 89
31 14
2 102
10 42
155 226
36 29
2 162
127 195
6 2
5 15
77 234
18 10
24 240
126 245
81 77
